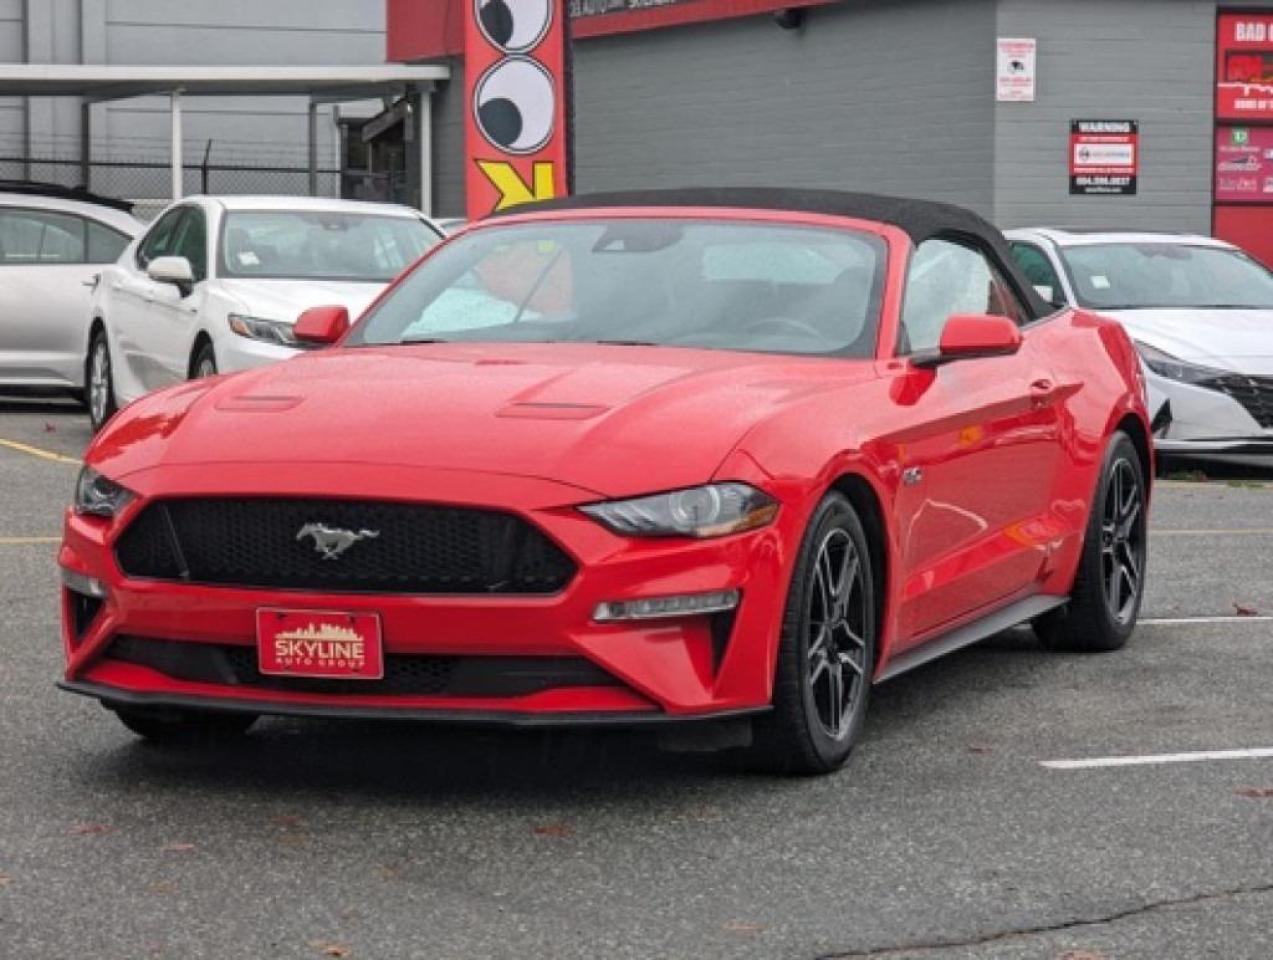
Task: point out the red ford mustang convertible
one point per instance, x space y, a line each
714 456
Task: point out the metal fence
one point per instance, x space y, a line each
149 183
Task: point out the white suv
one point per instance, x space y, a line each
53 242
216 284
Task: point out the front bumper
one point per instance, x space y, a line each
1196 421
235 353
654 670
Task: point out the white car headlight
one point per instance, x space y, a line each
714 510
258 328
99 496
1173 368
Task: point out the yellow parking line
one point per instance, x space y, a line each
27 541
1240 532
37 452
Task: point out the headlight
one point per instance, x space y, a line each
714 510
268 331
1165 365
98 496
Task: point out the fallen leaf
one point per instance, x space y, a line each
742 926
178 847
49 428
1082 955
1255 793
1242 611
330 949
164 887
287 820
977 748
553 830
83 829
5 880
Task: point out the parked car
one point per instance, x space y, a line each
1201 314
53 242
695 456
216 283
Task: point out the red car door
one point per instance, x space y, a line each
979 454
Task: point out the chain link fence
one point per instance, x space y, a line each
149 183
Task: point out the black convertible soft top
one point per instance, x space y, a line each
920 219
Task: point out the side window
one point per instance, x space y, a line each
160 240
946 278
104 244
191 241
1038 269
40 237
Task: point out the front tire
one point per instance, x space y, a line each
1105 601
99 382
826 653
187 727
204 362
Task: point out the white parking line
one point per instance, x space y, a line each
1258 753
1178 621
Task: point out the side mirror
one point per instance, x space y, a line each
968 336
174 270
321 325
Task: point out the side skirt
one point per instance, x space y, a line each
970 633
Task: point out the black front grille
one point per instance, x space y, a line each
405 674
1254 393
404 548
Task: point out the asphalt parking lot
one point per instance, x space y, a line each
947 837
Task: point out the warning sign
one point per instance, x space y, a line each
1104 157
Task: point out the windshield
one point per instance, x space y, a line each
1129 276
670 282
318 245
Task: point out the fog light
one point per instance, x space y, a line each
88 586
658 608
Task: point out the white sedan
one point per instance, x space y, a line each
1201 313
53 241
216 284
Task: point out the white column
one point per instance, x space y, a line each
312 156
424 143
178 171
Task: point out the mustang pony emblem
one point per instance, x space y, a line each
331 542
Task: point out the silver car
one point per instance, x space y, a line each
53 243
1201 314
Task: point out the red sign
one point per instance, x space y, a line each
1244 164
1245 69
1104 157
314 643
515 83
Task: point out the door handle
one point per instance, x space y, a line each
1042 393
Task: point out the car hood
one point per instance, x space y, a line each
286 300
1238 340
611 420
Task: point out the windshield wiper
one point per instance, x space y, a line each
622 343
411 340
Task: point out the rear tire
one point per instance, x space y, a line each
1105 601
189 727
99 381
826 652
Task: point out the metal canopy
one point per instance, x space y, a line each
100 83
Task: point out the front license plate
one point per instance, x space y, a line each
319 643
